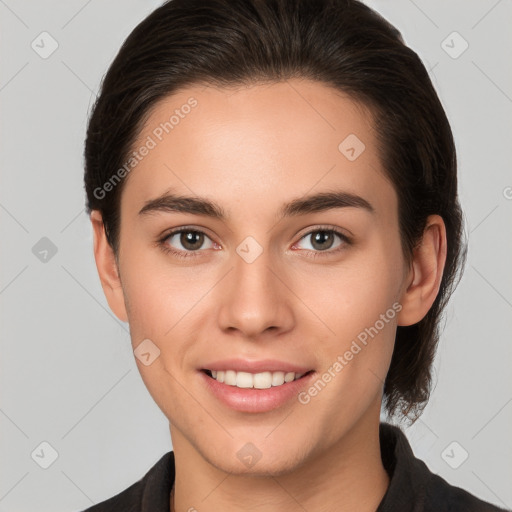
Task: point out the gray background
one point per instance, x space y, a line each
67 374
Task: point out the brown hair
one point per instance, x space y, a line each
341 43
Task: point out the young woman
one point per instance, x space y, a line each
272 186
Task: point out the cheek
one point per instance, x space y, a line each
351 296
358 302
159 295
361 311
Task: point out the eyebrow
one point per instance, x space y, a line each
322 201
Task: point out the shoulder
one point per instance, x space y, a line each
128 500
150 493
440 495
413 487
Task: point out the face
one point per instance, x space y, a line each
262 277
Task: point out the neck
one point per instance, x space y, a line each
349 476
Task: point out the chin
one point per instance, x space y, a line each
248 460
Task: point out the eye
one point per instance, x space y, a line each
188 242
184 242
324 240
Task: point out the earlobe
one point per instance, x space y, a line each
424 278
107 268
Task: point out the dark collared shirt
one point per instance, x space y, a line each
413 487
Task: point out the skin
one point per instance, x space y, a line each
250 150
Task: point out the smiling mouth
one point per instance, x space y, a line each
261 380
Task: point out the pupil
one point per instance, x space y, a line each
190 239
321 237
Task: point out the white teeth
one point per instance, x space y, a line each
277 378
230 378
263 380
243 380
288 377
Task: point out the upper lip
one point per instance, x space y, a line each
263 365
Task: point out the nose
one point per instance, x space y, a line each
254 300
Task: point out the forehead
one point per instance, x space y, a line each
267 141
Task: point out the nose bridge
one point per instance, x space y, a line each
256 299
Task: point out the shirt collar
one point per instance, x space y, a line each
408 476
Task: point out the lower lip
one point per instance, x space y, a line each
256 400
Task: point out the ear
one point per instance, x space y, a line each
424 277
107 268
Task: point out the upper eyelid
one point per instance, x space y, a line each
185 229
336 230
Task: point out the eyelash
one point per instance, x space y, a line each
193 254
